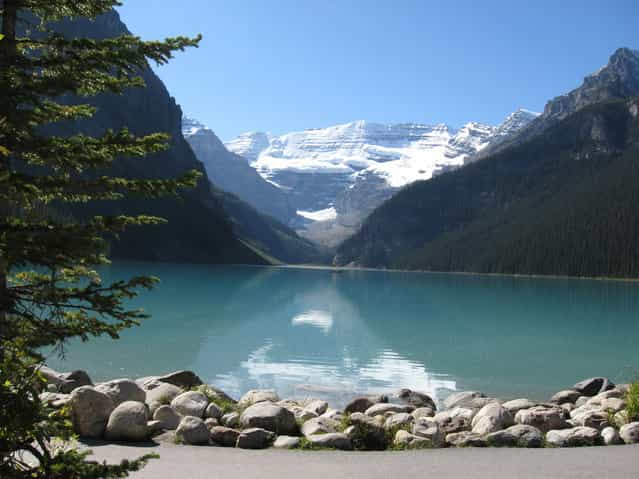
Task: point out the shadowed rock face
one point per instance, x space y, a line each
618 79
205 233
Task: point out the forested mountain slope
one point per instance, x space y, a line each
564 202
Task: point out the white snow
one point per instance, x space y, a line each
320 215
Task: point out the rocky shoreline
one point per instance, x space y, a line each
180 408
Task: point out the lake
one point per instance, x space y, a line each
336 334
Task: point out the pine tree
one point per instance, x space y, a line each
50 290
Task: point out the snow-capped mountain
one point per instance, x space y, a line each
341 173
233 174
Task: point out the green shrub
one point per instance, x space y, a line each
632 402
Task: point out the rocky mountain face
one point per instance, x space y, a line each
557 198
618 79
336 176
198 228
233 174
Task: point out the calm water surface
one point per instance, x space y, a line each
334 334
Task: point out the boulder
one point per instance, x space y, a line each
255 438
160 395
566 396
318 407
256 396
269 416
231 419
422 412
543 418
224 436
610 436
213 410
465 439
383 408
122 390
518 435
416 399
454 420
286 442
613 404
73 380
361 404
593 386
492 417
466 399
193 431
211 422
333 440
366 432
398 420
573 437
334 414
516 405
302 414
90 411
406 440
428 428
127 422
168 417
182 379
596 419
319 425
630 433
55 400
154 427
190 403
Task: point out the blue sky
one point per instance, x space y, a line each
285 65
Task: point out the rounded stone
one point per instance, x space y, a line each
128 422
269 416
255 438
167 416
192 430
122 390
90 411
190 403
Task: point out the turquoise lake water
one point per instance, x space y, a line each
333 335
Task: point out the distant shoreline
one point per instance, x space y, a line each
463 273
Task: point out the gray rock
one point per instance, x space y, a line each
416 399
182 379
492 417
73 380
302 414
543 418
160 395
334 414
630 433
333 440
566 396
573 437
383 408
256 396
366 432
122 390
271 417
593 386
154 427
595 419
428 428
581 401
286 442
613 404
127 422
168 417
211 422
231 419
466 399
465 439
255 438
224 436
406 440
454 420
516 405
319 425
213 410
516 436
190 403
422 412
192 430
361 404
90 411
398 420
55 400
611 436
317 407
